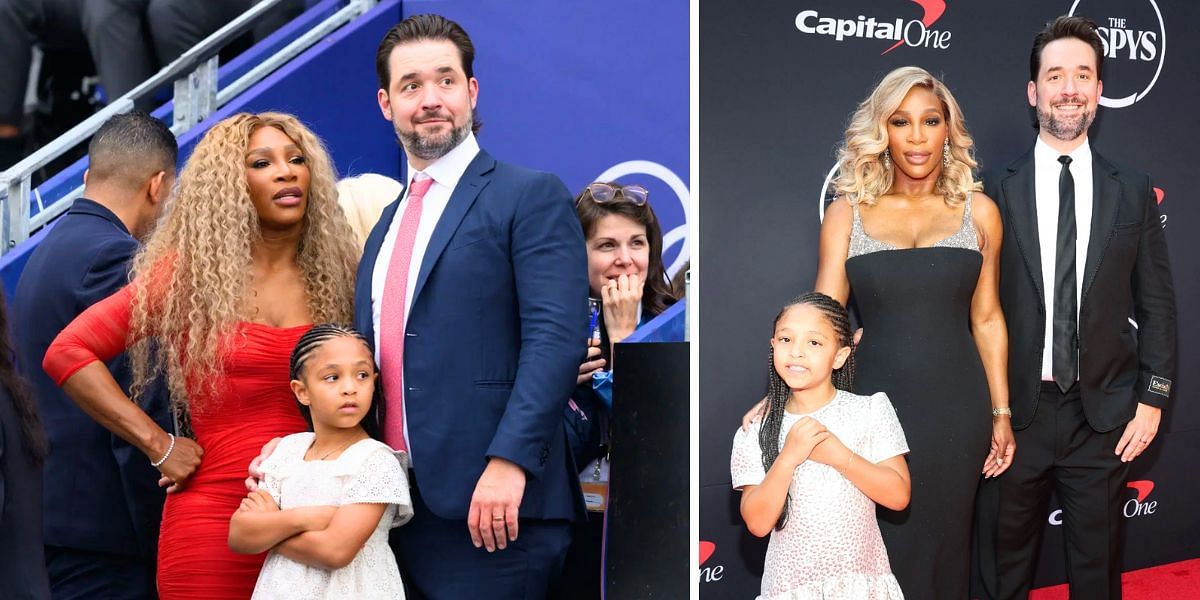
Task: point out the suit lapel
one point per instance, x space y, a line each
1105 195
1020 200
461 199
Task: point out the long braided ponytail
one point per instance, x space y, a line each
778 391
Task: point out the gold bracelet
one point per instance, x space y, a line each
848 461
1003 411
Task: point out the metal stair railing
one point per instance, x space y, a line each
196 96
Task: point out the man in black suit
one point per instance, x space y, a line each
1090 369
102 506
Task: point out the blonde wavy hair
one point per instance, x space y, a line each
862 176
193 275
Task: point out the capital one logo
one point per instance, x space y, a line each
915 33
1159 194
1138 506
1135 45
710 573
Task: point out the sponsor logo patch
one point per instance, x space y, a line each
1160 385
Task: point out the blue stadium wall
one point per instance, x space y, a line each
585 90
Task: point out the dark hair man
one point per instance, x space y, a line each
472 288
102 506
1091 369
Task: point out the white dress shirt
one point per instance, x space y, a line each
445 171
1046 169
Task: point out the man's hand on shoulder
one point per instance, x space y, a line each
495 504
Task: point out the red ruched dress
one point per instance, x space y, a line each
253 403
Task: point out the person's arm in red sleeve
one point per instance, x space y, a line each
75 362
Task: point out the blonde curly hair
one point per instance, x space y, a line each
194 273
862 177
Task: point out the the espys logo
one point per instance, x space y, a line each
915 33
710 573
1135 45
1138 506
827 195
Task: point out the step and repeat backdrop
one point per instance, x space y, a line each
778 81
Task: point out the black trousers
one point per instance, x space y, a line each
53 23
1059 451
129 40
581 579
85 575
438 561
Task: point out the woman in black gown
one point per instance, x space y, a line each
916 246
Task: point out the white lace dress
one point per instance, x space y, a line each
367 472
830 547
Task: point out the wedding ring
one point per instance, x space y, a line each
497 518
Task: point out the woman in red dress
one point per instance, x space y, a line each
253 250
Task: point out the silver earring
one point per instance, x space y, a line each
887 159
946 153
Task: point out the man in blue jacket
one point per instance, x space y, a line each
473 289
102 506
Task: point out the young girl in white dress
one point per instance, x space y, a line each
813 468
329 497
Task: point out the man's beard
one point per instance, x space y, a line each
431 147
1063 129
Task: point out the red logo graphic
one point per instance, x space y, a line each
1143 487
706 550
1158 194
912 32
1140 506
933 11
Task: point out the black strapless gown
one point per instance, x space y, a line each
917 347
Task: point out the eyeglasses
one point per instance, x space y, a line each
603 193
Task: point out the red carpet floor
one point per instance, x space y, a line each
1174 581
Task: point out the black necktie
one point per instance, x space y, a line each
1066 350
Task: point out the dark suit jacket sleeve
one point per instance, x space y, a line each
1154 308
550 272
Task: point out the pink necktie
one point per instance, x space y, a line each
391 315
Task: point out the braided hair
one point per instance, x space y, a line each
307 345
778 391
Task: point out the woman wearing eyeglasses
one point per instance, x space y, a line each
626 274
625 269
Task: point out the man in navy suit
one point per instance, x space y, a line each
102 506
473 289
